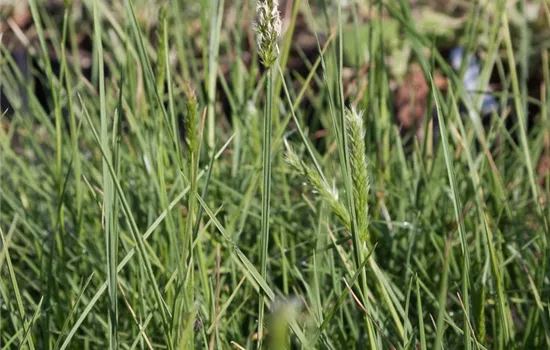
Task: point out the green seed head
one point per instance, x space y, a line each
268 29
317 184
359 170
191 119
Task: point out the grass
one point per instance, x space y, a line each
176 194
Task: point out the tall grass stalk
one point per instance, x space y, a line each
109 225
266 194
75 161
520 107
59 232
457 205
340 123
216 13
268 30
192 135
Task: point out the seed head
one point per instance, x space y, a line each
268 29
317 184
359 171
191 119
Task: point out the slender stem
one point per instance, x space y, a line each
189 297
346 170
213 51
111 238
265 196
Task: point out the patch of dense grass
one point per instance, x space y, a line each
136 206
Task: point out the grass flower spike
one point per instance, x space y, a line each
191 119
315 181
268 29
360 175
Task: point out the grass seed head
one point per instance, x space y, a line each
191 119
359 170
316 183
268 30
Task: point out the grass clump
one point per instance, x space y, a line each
173 176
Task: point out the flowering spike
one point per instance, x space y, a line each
360 172
268 30
191 119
